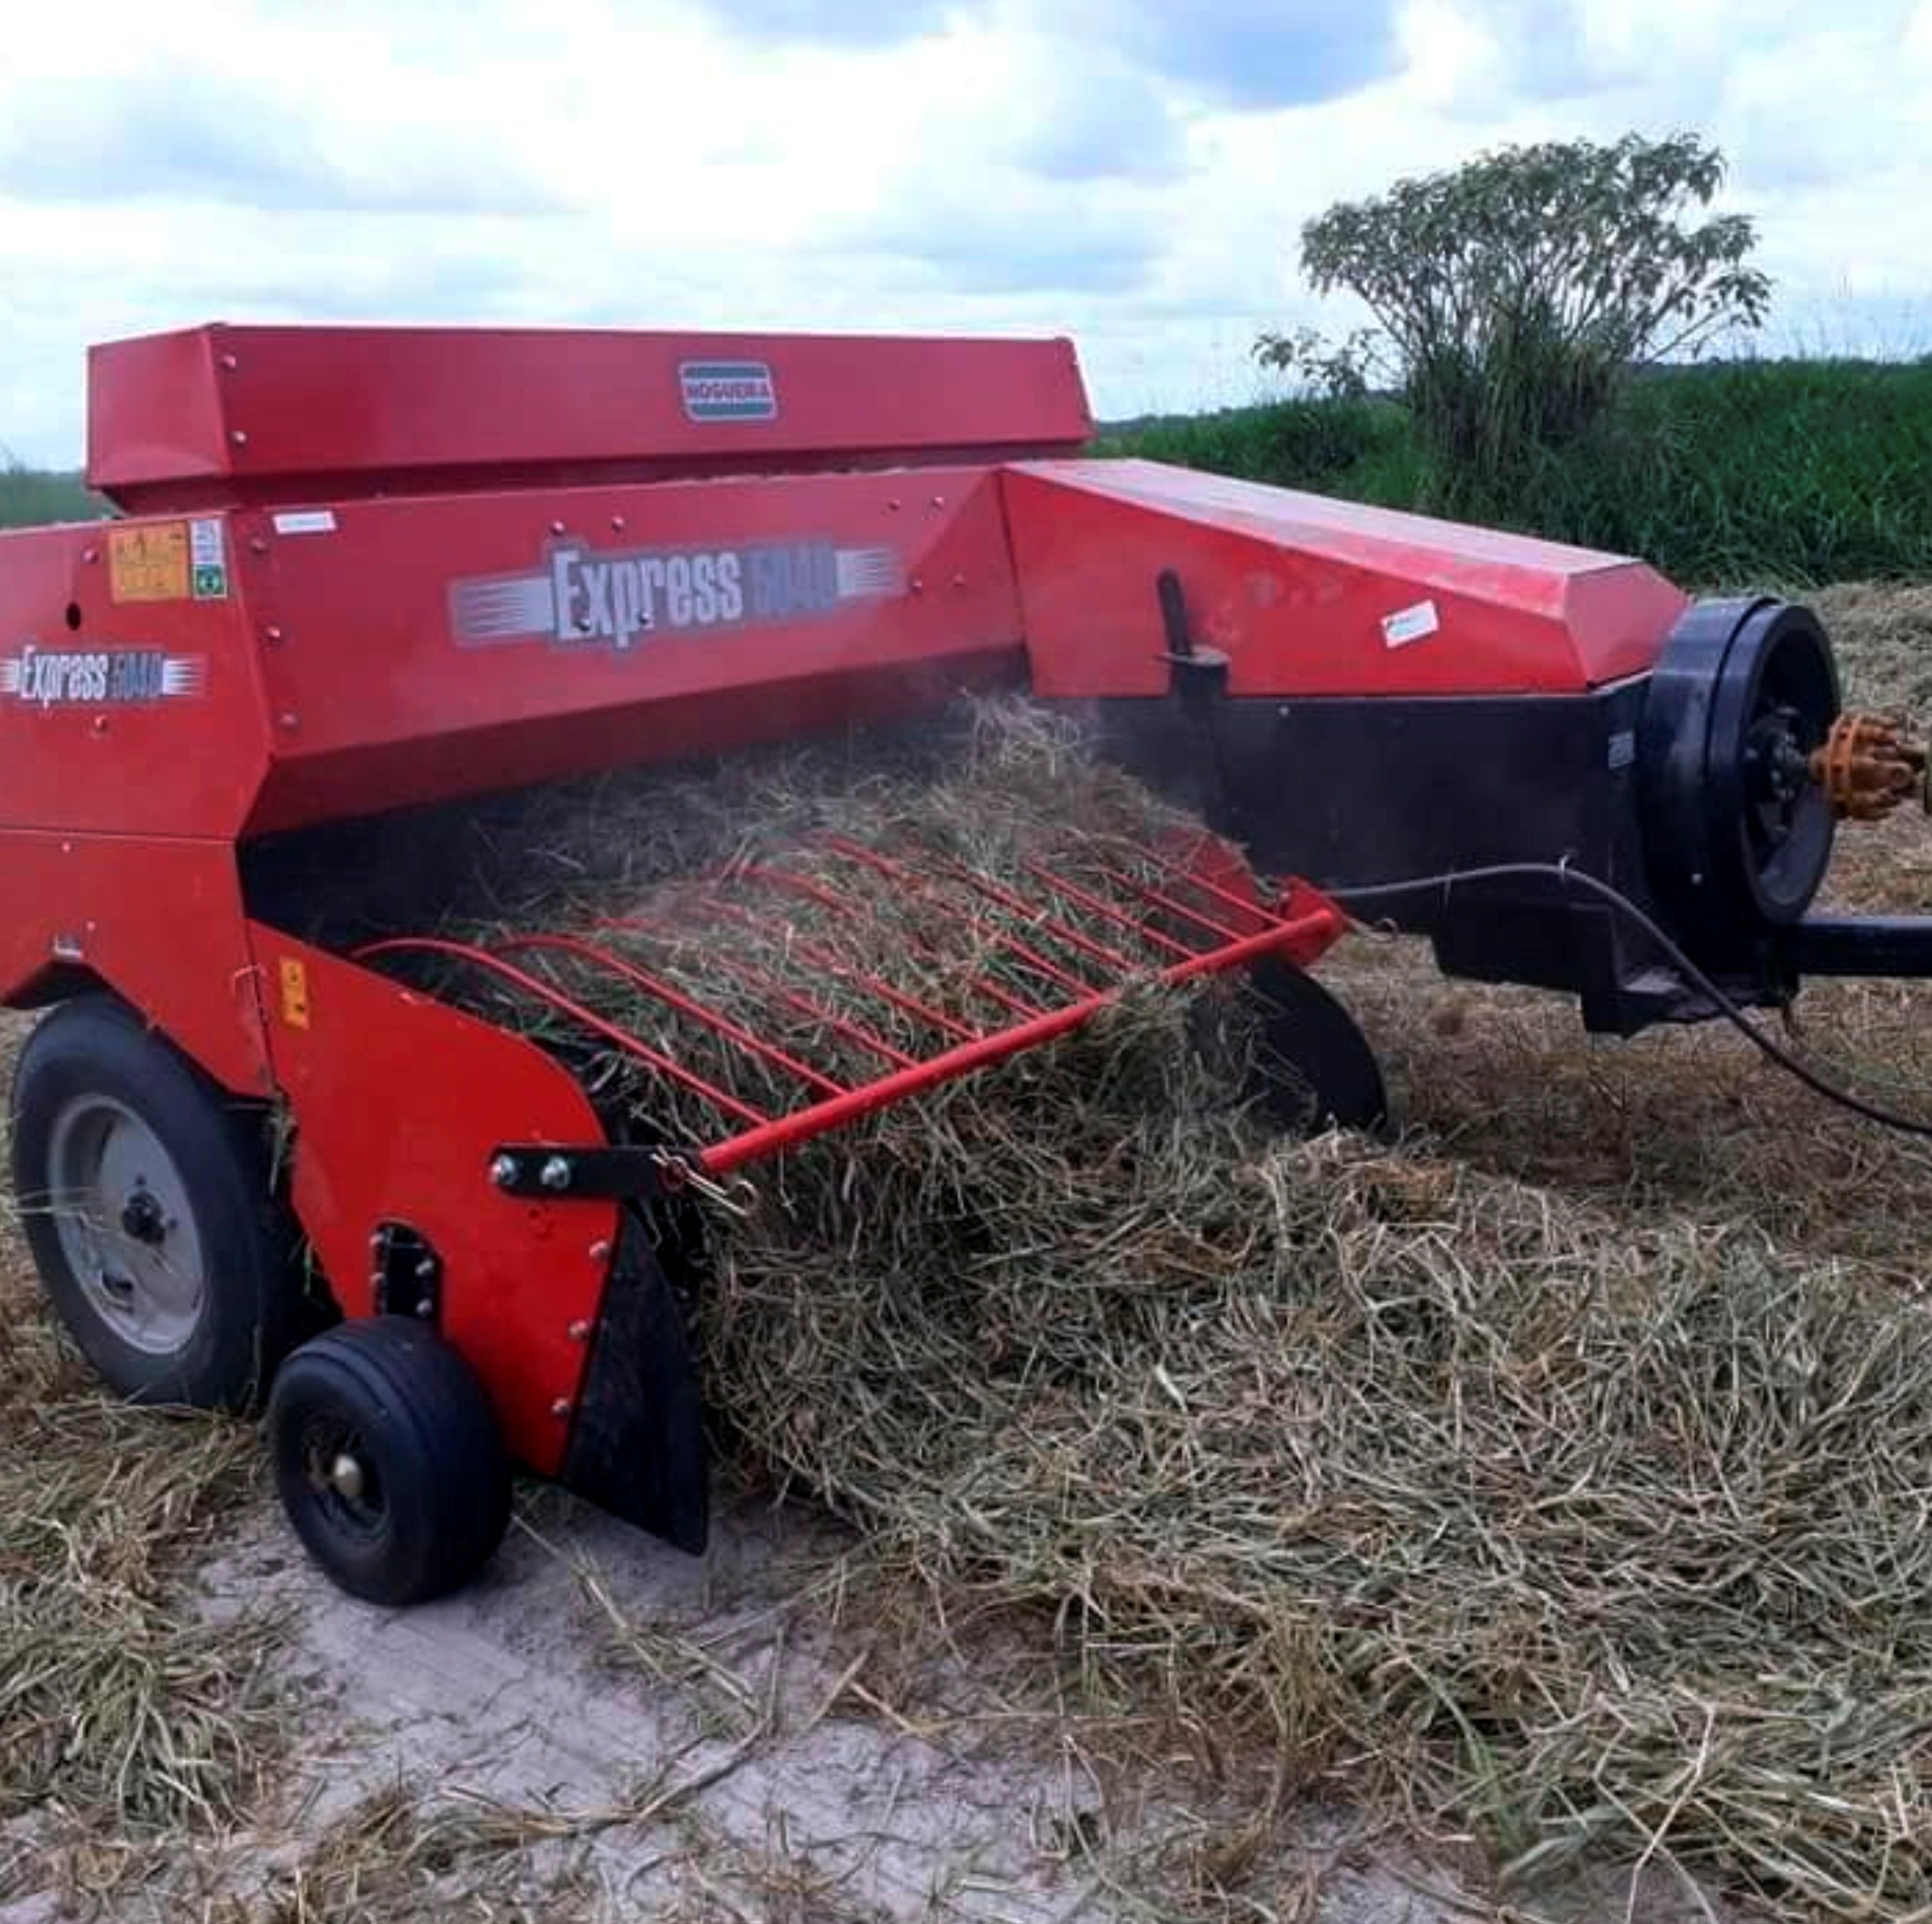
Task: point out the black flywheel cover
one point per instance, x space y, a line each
1737 837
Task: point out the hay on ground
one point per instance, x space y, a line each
128 1719
1591 1532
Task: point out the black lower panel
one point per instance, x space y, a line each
638 1444
1358 791
1355 793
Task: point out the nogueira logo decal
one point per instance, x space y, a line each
591 597
727 391
59 677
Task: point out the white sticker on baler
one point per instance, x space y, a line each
1409 625
305 521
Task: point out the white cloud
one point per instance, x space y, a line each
1132 172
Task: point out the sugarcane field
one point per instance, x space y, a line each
835 1099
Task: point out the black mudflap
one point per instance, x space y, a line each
638 1444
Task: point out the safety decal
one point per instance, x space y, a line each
59 677
1409 625
294 974
148 562
209 550
593 598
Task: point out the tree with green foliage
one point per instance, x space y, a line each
1514 295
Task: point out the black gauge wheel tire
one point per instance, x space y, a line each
389 1460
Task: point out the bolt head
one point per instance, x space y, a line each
600 1250
502 1171
579 1331
556 1174
561 1408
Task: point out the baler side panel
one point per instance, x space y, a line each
1306 595
129 702
433 646
159 920
397 1102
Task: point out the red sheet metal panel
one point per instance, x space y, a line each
158 919
397 1102
1309 595
130 699
218 413
424 648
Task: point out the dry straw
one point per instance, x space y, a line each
129 1719
1593 1528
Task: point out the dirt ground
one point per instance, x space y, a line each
603 1728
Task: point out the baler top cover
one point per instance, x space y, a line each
220 416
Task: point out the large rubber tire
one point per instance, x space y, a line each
426 1496
195 1302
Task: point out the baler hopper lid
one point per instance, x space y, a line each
220 416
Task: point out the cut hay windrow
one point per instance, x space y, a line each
1582 1532
127 1718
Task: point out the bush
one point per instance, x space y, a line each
1515 294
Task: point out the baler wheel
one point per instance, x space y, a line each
388 1460
150 1208
1331 1074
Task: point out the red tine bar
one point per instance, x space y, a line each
1316 925
1108 911
767 984
622 1039
850 911
673 998
907 878
1299 927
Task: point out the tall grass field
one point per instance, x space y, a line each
31 495
1775 472
1788 473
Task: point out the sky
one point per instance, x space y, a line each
1134 173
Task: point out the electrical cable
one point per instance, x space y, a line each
1726 1007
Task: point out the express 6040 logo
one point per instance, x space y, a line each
600 598
56 677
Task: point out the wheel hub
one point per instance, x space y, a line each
126 1227
143 1221
346 1478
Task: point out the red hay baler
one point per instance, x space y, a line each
357 572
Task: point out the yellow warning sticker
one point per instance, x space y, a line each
294 992
149 563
